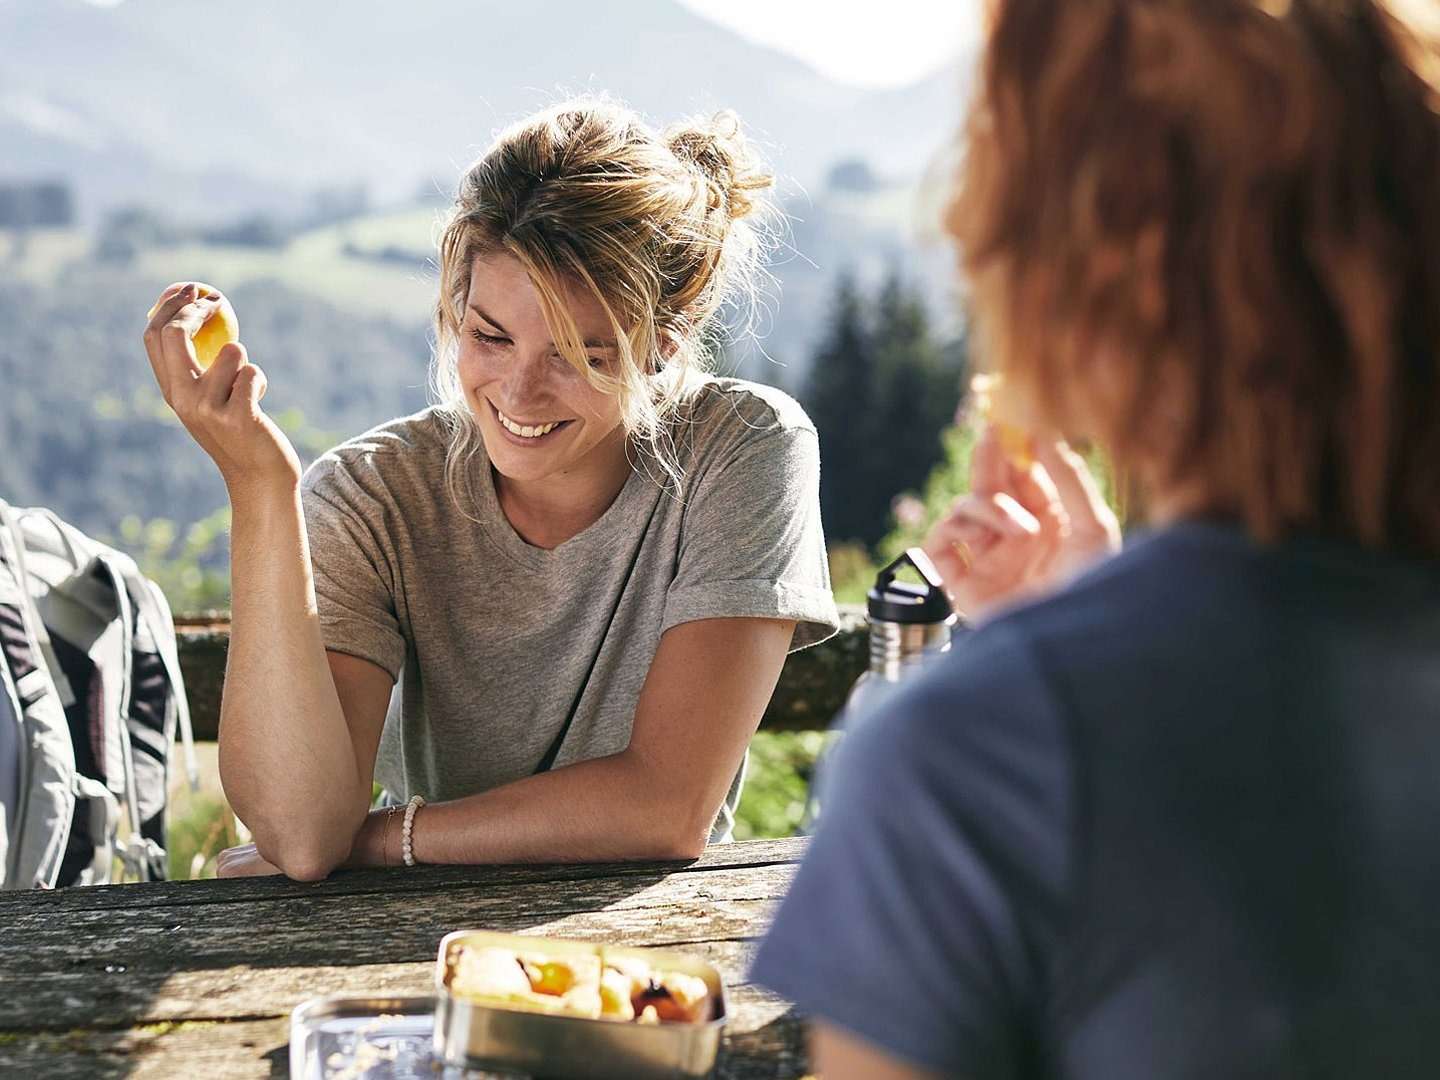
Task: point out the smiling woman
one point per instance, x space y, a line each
550 609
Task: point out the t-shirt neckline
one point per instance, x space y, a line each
595 538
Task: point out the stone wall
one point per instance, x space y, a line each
812 686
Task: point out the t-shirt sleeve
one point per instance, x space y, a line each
929 896
752 543
353 562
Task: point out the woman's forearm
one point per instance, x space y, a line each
287 759
657 799
607 809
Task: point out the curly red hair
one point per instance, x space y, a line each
1206 233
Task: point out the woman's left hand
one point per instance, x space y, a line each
243 861
1020 532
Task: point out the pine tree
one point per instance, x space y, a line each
920 388
838 395
880 397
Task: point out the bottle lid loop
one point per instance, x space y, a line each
901 602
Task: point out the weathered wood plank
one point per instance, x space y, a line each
146 996
395 881
198 978
676 926
320 922
764 1039
813 683
118 964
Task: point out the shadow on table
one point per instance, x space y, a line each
775 1051
104 982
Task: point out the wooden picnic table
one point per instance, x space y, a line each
196 979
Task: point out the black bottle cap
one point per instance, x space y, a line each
900 602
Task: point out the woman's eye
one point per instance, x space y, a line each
488 339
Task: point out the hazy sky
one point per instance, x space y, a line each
853 41
864 42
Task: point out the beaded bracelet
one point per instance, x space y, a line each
407 831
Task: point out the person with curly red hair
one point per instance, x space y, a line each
1174 816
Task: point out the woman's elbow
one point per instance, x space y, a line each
310 854
684 835
686 848
301 866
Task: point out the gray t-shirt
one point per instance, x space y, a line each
497 644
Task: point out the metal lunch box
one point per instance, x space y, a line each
476 1035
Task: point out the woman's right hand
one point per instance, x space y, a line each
1020 533
219 406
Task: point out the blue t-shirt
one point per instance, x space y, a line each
1181 820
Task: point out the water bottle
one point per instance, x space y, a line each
909 624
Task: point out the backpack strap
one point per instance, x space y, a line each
131 851
46 800
162 627
11 523
152 607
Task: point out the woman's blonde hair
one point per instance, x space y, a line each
652 224
1207 233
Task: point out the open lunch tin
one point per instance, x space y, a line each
378 1038
475 1035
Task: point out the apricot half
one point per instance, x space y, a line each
989 404
219 330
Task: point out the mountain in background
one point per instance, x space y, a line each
281 109
246 109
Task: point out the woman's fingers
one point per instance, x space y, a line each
243 861
1034 489
992 538
1001 512
169 292
228 859
989 471
218 384
1090 516
250 385
173 323
168 368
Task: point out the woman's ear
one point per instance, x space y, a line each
666 345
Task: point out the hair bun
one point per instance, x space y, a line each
718 149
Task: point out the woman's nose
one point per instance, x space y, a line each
526 378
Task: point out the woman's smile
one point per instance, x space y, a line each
528 433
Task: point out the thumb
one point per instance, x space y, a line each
250 381
989 470
232 353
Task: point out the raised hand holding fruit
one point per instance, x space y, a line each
219 329
216 394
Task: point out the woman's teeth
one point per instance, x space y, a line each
526 431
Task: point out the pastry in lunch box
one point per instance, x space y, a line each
673 997
620 988
568 986
616 993
494 973
575 980
656 996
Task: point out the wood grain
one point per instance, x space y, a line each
393 881
199 978
254 1049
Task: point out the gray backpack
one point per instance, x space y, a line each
90 698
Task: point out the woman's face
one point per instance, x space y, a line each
540 418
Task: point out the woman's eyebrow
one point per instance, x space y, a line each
594 343
476 308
